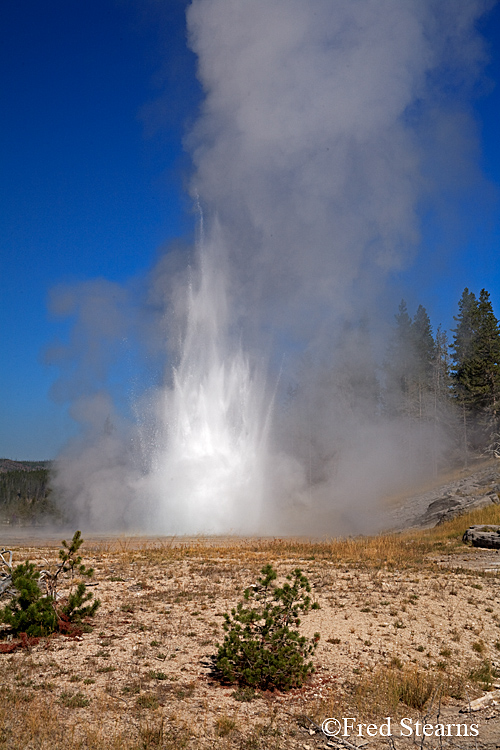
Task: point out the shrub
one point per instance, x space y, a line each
76 607
262 647
38 613
147 700
74 700
415 688
384 690
29 611
484 674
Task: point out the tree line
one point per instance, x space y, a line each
25 497
452 384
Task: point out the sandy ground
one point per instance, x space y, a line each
148 658
142 678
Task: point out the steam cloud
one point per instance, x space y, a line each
313 156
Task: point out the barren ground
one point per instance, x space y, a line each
141 678
416 608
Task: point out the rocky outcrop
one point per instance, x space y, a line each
455 505
483 536
477 490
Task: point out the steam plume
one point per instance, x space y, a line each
312 159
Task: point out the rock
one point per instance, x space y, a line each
443 504
482 702
469 490
483 536
445 508
448 500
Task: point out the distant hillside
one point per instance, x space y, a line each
25 493
7 464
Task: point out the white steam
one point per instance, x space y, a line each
308 145
312 157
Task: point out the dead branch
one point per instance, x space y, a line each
4 561
6 577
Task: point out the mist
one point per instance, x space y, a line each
313 158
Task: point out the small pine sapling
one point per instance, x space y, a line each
29 611
71 561
262 647
34 609
76 607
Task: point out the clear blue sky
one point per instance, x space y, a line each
90 187
96 97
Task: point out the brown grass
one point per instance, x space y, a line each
136 682
398 550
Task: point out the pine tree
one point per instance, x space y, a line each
399 364
409 369
441 368
443 414
476 366
463 339
461 350
417 386
423 358
404 346
356 374
476 354
423 343
263 647
487 356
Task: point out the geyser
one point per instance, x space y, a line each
209 465
326 130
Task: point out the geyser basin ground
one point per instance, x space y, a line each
145 667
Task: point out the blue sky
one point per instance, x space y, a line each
96 98
89 186
472 254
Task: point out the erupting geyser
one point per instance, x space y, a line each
328 132
209 473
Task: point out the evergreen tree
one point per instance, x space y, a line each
476 367
441 367
423 358
424 347
476 354
409 368
404 351
461 350
444 414
356 374
399 364
463 339
487 354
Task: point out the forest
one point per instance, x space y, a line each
25 494
453 384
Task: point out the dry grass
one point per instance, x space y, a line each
389 692
398 550
397 631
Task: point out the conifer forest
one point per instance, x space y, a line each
451 381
